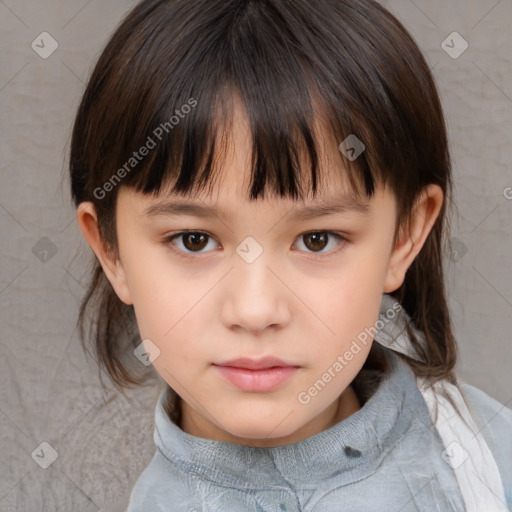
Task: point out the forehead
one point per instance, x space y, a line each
139 209
229 194
227 203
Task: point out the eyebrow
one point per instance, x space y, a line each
175 208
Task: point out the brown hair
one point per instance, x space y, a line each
282 58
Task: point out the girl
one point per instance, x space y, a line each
305 341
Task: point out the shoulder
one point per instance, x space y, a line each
494 421
494 415
160 488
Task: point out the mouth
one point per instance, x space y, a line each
255 376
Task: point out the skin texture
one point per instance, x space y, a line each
293 302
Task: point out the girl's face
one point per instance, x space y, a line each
265 279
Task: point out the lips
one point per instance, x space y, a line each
256 375
256 364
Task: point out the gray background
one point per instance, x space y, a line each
50 392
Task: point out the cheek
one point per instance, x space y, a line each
349 299
348 303
167 304
159 298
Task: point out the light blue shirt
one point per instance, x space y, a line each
386 457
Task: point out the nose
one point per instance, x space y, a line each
255 297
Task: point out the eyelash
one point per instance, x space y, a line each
167 241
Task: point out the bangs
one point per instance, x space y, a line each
159 106
186 69
285 148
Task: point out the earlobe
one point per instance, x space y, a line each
411 240
112 267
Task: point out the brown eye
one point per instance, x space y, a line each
322 243
194 241
189 242
316 241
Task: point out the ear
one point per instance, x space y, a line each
412 239
112 267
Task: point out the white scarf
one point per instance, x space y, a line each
465 448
